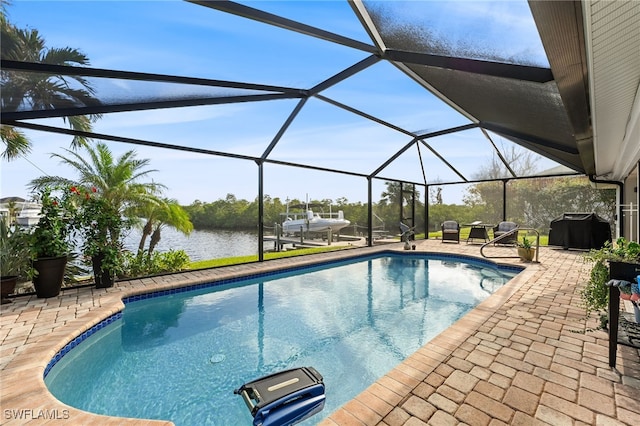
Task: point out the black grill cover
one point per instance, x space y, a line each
579 230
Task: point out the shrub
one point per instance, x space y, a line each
142 263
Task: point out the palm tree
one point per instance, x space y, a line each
13 211
118 180
166 213
115 190
40 90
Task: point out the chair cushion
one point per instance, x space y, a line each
450 225
506 226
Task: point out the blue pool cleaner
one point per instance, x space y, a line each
284 398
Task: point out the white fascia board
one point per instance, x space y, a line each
629 154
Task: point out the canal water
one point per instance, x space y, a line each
203 245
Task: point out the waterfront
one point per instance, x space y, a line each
203 244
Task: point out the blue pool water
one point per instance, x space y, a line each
179 357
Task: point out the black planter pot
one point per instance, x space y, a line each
627 271
50 276
103 279
7 286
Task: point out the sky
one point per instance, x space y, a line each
179 38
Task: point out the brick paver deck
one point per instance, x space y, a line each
522 357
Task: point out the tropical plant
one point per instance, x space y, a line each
111 203
526 244
143 263
51 235
117 180
16 143
40 90
595 294
623 251
525 249
14 251
100 225
157 215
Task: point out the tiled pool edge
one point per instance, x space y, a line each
79 339
347 259
22 388
225 281
25 385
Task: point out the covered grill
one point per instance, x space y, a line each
579 230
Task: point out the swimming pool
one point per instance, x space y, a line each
179 356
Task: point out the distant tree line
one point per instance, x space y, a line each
231 213
530 202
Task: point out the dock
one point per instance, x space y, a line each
305 242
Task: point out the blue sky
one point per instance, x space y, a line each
178 38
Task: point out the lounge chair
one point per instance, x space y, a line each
450 231
503 228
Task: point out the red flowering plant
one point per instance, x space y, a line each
51 235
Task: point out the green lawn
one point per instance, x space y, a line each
201 264
212 263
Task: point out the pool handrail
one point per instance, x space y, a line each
506 235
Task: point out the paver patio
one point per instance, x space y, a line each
521 357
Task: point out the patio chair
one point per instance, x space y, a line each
503 228
450 231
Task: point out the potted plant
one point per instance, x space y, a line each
14 258
624 260
101 225
613 261
525 250
50 243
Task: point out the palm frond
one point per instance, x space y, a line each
15 141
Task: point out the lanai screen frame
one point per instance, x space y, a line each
412 63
